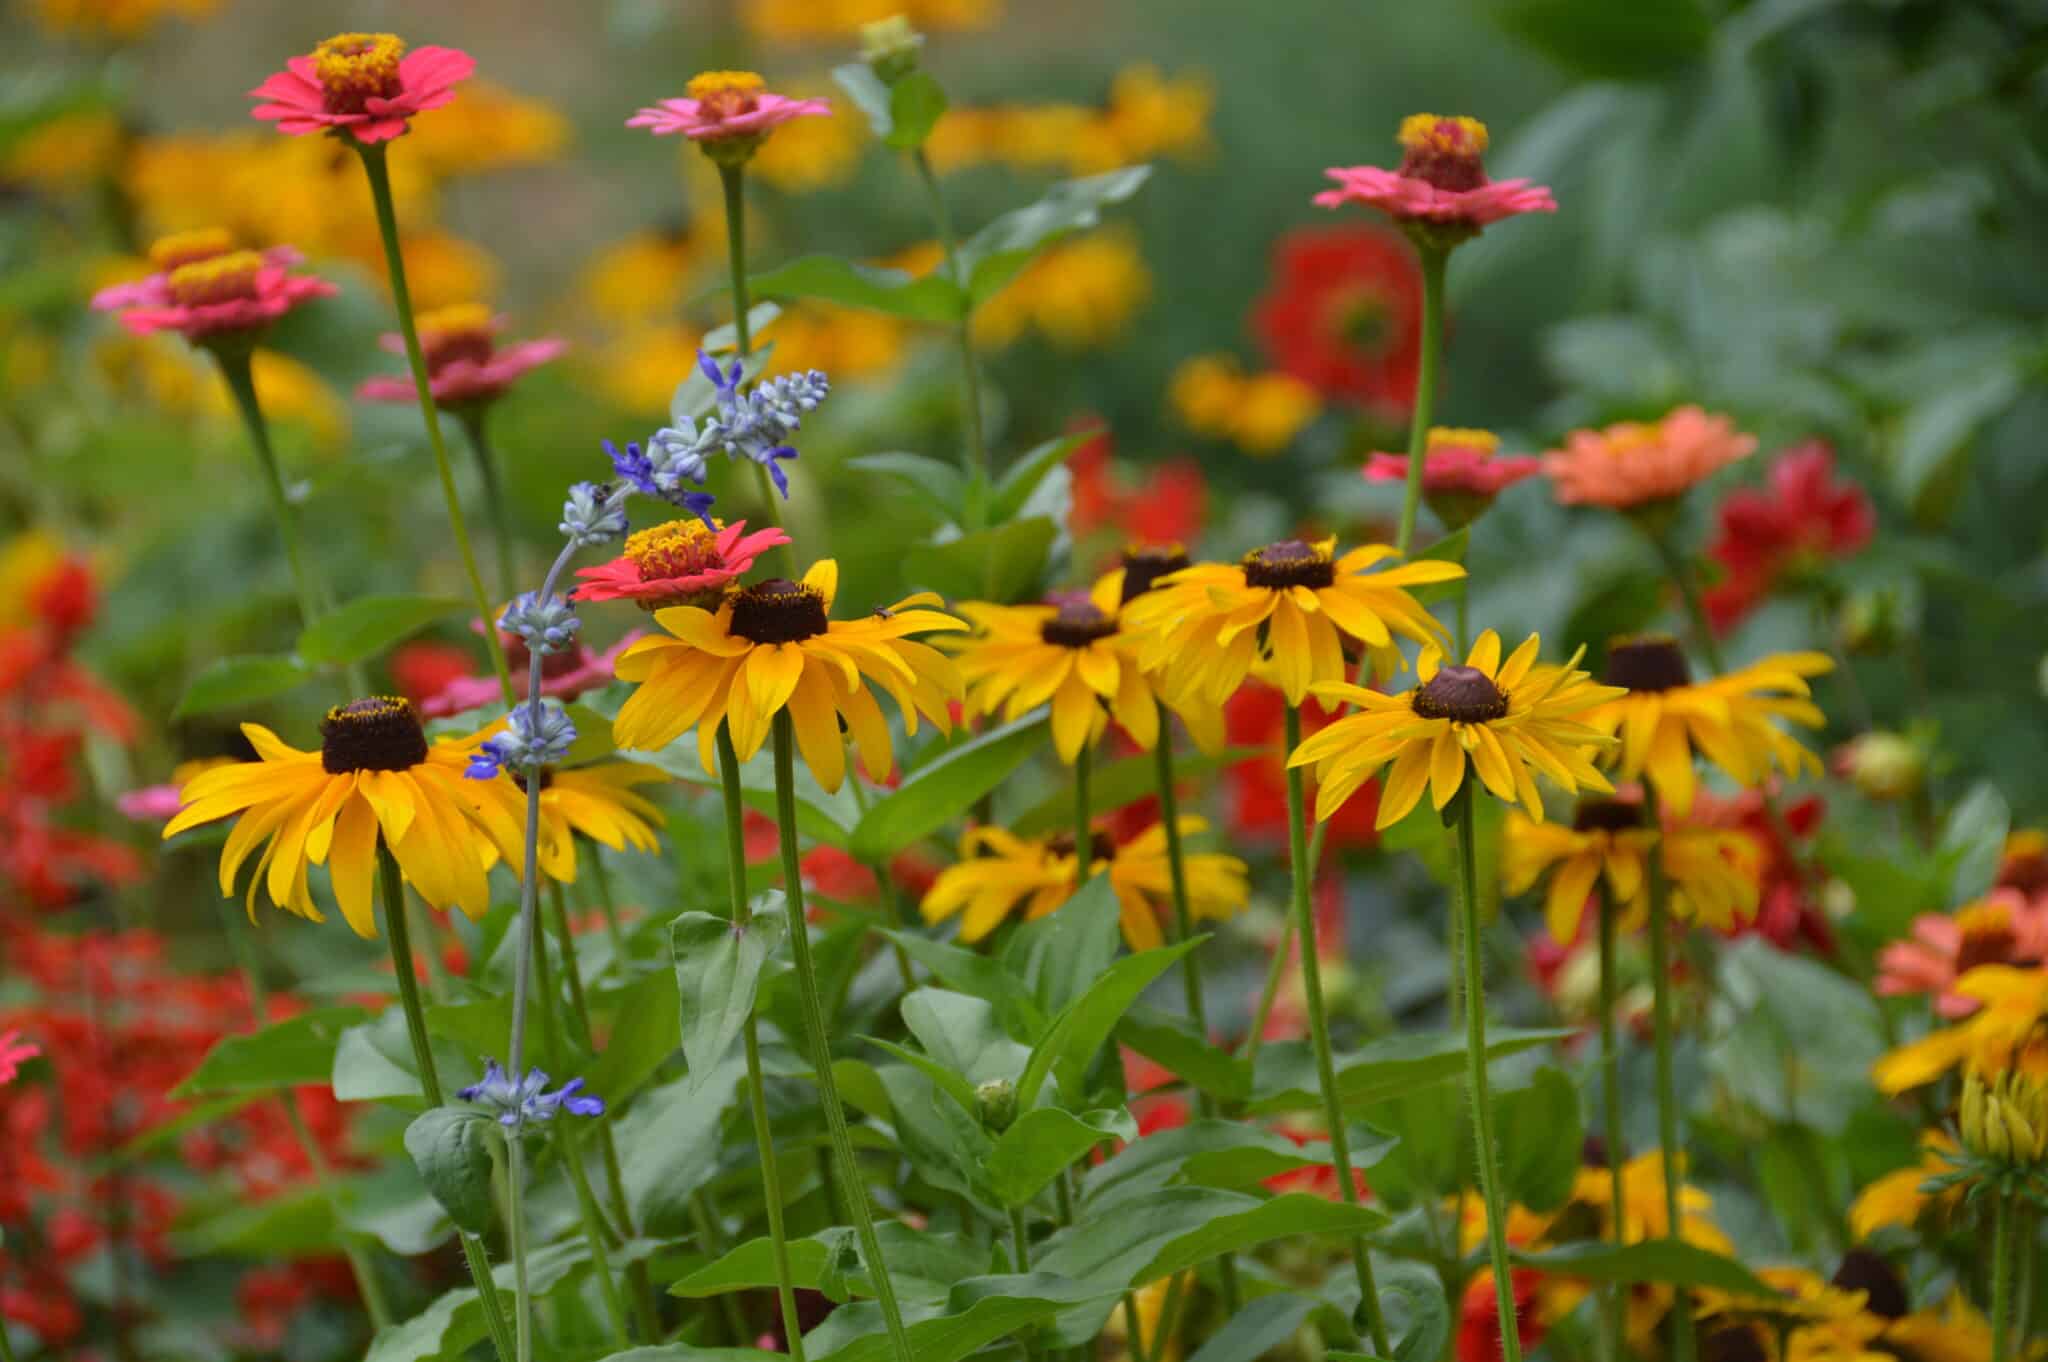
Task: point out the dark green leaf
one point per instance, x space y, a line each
977 1313
960 1032
1639 41
1041 1145
286 1054
928 478
1260 1327
1021 478
1212 1153
451 1148
1084 1024
943 1142
1541 1133
1417 1315
1667 1261
1974 836
367 625
1286 1077
1060 954
668 1144
971 972
994 255
717 972
1170 1040
645 1028
947 1081
937 793
934 298
1004 564
923 1267
916 103
230 682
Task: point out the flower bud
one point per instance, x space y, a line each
545 625
1883 766
2005 1119
998 1101
1870 622
890 47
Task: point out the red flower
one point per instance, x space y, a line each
1344 314
364 83
423 669
1801 517
1255 790
1479 1316
1167 506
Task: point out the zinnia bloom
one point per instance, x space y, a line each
14 1052
1460 473
375 773
1440 189
2002 929
1071 654
563 675
1635 463
464 364
1712 873
204 286
726 106
2005 1031
364 84
1507 717
1802 517
1665 718
773 646
1289 606
1344 314
682 562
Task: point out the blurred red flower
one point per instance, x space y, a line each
1801 517
1344 314
1255 790
1479 1316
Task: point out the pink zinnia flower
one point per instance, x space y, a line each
1460 473
683 562
563 676
1802 517
365 84
464 364
1441 183
2001 929
204 286
723 106
14 1052
1634 462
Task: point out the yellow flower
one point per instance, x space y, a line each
2005 1033
1957 1332
845 343
598 801
487 129
1151 1303
1079 295
1289 606
643 277
1896 1198
807 154
1510 718
1149 116
1072 655
121 20
1666 718
66 152
772 646
1259 413
794 21
1142 876
640 369
1712 873
374 775
999 873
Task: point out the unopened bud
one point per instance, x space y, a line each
998 1101
1870 622
1883 766
2005 1119
890 47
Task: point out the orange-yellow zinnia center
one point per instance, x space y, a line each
458 331
680 548
356 67
185 248
723 94
1443 151
216 279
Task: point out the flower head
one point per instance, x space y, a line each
1712 872
728 113
1510 718
464 364
1440 193
755 425
518 1101
2001 929
205 288
1801 517
1641 463
1072 653
1344 314
361 86
1461 473
682 562
2007 1030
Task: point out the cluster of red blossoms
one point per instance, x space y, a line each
1769 536
1344 315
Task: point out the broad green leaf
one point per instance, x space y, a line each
1169 1039
1286 1079
374 1062
961 1033
971 972
1004 564
1667 1261
452 1150
230 682
1939 431
945 1079
1540 1133
1974 837
717 972
933 298
944 1143
1058 956
668 1146
922 1266
286 1054
930 479
368 625
1641 41
1260 1327
976 1313
1084 1024
1417 1315
1022 478
869 93
645 1028
995 254
1114 784
1213 1153
916 103
454 1323
1043 1143
1800 1038
936 794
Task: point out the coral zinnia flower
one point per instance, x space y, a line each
2002 929
204 286
1071 654
1288 606
1441 183
375 773
682 562
1633 463
1344 314
2005 1032
1712 872
1666 718
1762 535
464 364
772 646
361 85
1460 473
1507 717
725 106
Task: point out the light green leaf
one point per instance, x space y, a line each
668 1145
645 1031
1260 1327
1084 1024
1170 1040
923 1266
1022 478
1043 1143
1667 1261
717 973
930 479
933 298
287 1054
230 682
1004 564
1974 837
971 972
1938 432
960 1032
1213 1153
978 1311
938 792
368 625
916 103
995 254
451 1148
1541 1133
1058 956
869 94
1286 1077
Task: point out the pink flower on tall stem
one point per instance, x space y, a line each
203 287
1802 517
682 562
464 363
1441 185
1461 474
361 85
722 106
14 1052
2001 929
1634 463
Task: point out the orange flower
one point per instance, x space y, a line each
1634 462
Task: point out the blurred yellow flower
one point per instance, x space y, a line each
179 381
1896 1198
2005 1033
440 270
810 153
117 19
642 278
1149 115
792 21
1079 295
489 128
25 559
845 343
65 152
639 369
1259 413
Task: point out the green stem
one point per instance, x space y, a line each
1319 1030
1482 1097
605 903
820 1041
1434 258
978 471
430 1083
522 1299
733 179
1020 1239
1610 1102
394 263
2002 1247
1689 592
757 1097
1270 992
1084 836
1667 1087
237 369
472 419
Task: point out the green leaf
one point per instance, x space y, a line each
943 1142
923 1267
869 93
1060 954
1937 434
668 1146
1974 836
947 1081
1041 1145
1417 1314
895 293
367 625
916 103
1021 478
1286 1079
724 340
1212 1153
928 478
1667 1261
995 254
1541 1133
717 973
454 1323
1114 784
1004 564
1170 1040
645 1031
1084 1024
978 1311
960 1032
373 1062
1260 1327
451 1148
971 972
1450 549
937 793
1640 41
230 682
286 1054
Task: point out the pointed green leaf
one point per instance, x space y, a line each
1004 564
935 794
368 625
1170 1040
451 1148
1670 1262
1022 478
1084 1024
1286 1077
833 279
645 1028
231 682
287 1054
1260 1327
1214 1153
1058 956
1043 1143
971 972
977 1312
930 479
869 94
995 254
916 103
960 1032
718 971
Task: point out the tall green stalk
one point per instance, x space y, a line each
1475 1074
400 937
979 474
820 1040
1434 259
2003 1225
1667 1086
471 418
1084 835
379 174
1319 1030
1610 1105
734 180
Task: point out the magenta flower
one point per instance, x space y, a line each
1460 473
725 106
204 286
563 676
1441 182
364 84
682 562
14 1052
464 364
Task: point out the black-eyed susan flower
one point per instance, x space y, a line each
599 801
1286 608
1900 1197
773 646
1511 719
1711 873
2009 1030
1667 718
1071 654
375 777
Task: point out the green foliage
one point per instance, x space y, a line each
235 682
933 794
287 1054
452 1150
368 625
718 967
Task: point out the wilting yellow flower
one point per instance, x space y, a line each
1292 603
1073 655
66 152
644 277
122 20
1511 719
375 776
1896 1198
489 128
845 342
807 154
1666 718
1079 295
1712 873
773 646
1260 413
808 20
639 370
2004 1033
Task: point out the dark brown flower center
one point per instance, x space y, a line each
380 733
778 611
1885 1294
1100 848
1289 563
1987 937
1463 695
1733 1343
1077 624
2026 872
1608 815
1646 662
1145 564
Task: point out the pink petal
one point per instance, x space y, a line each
426 69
